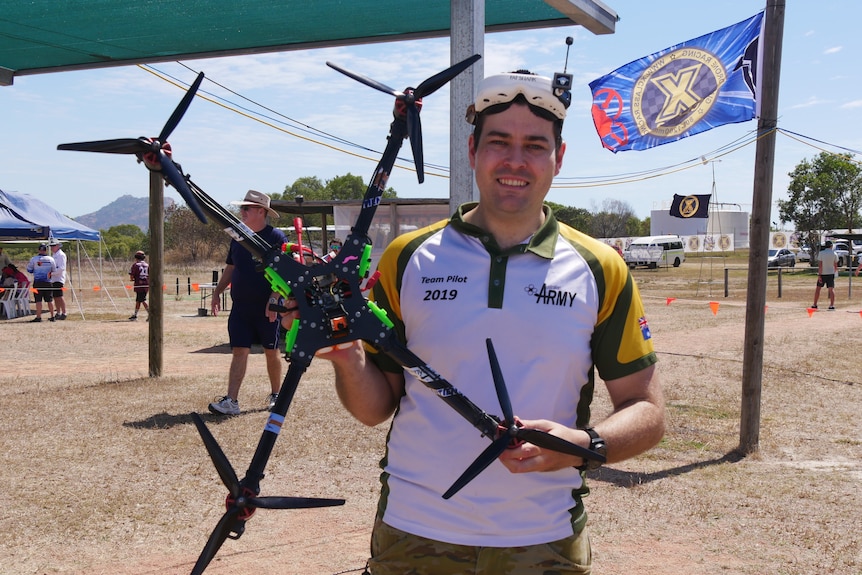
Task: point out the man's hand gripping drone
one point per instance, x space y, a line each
332 310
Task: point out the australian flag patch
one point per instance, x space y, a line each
642 322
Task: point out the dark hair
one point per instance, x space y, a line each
519 99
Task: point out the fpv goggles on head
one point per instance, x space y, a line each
539 91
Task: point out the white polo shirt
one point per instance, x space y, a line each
555 308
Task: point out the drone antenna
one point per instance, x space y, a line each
562 84
297 227
569 41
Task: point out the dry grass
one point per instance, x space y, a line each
105 473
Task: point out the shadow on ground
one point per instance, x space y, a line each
225 348
165 420
632 478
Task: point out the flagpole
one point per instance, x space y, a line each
752 368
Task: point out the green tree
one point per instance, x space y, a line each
346 187
309 187
612 220
578 218
824 194
616 219
124 240
636 227
190 241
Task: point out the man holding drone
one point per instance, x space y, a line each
560 307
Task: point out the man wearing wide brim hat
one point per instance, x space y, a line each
250 321
58 278
256 199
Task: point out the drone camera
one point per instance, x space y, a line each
338 325
562 86
562 81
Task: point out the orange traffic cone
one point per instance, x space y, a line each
713 305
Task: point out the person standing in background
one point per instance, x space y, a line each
140 276
827 266
250 320
58 278
42 266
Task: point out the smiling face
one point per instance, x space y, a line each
515 160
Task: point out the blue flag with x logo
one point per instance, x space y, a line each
680 91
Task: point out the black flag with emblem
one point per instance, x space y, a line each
696 206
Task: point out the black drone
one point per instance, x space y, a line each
332 310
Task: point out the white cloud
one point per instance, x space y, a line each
811 101
833 50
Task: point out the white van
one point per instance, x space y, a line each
653 251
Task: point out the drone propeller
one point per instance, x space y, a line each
241 502
154 152
409 102
512 433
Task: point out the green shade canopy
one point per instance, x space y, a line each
38 36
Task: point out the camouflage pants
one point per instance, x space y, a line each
395 552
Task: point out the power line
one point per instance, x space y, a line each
277 120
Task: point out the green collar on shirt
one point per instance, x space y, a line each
541 243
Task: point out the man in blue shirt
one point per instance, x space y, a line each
42 266
250 320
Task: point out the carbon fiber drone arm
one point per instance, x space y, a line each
487 424
233 226
333 309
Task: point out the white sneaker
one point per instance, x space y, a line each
273 397
225 406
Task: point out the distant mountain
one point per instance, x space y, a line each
124 210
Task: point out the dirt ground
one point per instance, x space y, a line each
104 471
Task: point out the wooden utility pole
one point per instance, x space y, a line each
156 296
764 160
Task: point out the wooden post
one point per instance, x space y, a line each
156 255
764 160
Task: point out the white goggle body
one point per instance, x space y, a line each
503 88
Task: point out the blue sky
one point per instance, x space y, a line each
227 153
